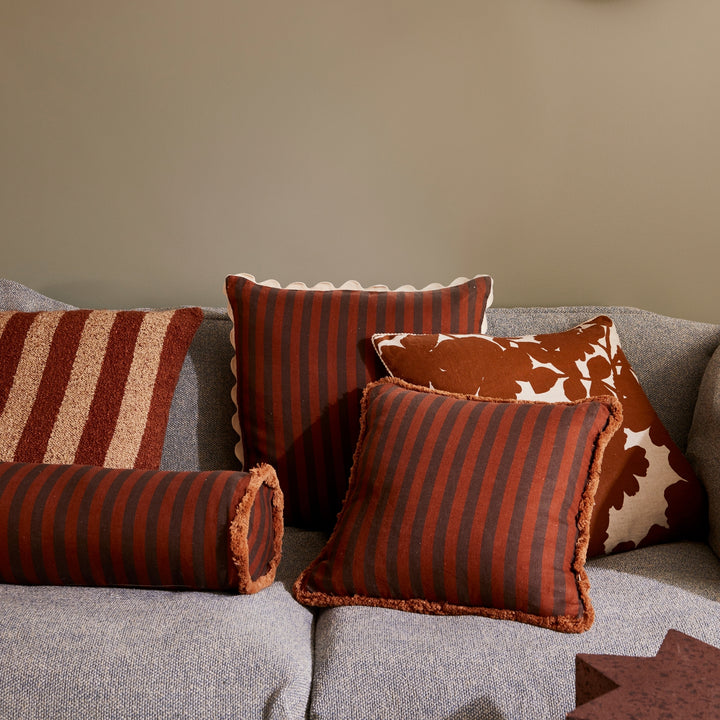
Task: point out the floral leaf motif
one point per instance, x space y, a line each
625 523
542 379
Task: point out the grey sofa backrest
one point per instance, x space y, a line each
669 357
200 435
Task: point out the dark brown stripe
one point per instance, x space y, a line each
284 431
516 453
262 549
104 545
204 532
445 528
258 526
12 342
514 553
262 405
62 533
186 537
132 573
470 574
315 387
337 387
58 366
217 530
413 461
539 538
584 439
84 532
440 433
406 411
388 407
271 390
18 482
179 335
105 407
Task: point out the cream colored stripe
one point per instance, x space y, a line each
23 393
139 388
75 406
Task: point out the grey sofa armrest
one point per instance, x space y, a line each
703 448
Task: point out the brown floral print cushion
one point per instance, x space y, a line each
648 492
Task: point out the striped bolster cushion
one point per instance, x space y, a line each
90 387
302 359
87 525
461 505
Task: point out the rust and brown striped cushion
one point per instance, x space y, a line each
460 505
92 387
87 525
303 357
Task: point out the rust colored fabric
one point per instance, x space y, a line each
90 386
463 505
302 359
648 491
88 525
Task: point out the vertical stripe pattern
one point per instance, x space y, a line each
90 386
464 505
87 525
302 360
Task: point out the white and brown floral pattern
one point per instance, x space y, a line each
648 492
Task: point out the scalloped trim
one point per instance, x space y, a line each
326 285
355 285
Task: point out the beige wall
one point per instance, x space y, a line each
570 148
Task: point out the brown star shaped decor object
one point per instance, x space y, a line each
681 681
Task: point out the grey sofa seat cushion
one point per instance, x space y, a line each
376 663
77 652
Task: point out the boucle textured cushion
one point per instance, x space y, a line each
463 505
303 357
91 387
648 492
87 525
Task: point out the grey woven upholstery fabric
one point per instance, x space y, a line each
704 444
200 435
385 664
14 296
123 653
126 654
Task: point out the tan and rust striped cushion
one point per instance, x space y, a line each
461 505
90 386
87 525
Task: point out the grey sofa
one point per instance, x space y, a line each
86 652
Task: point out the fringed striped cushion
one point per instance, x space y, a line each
87 525
303 357
91 387
462 505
